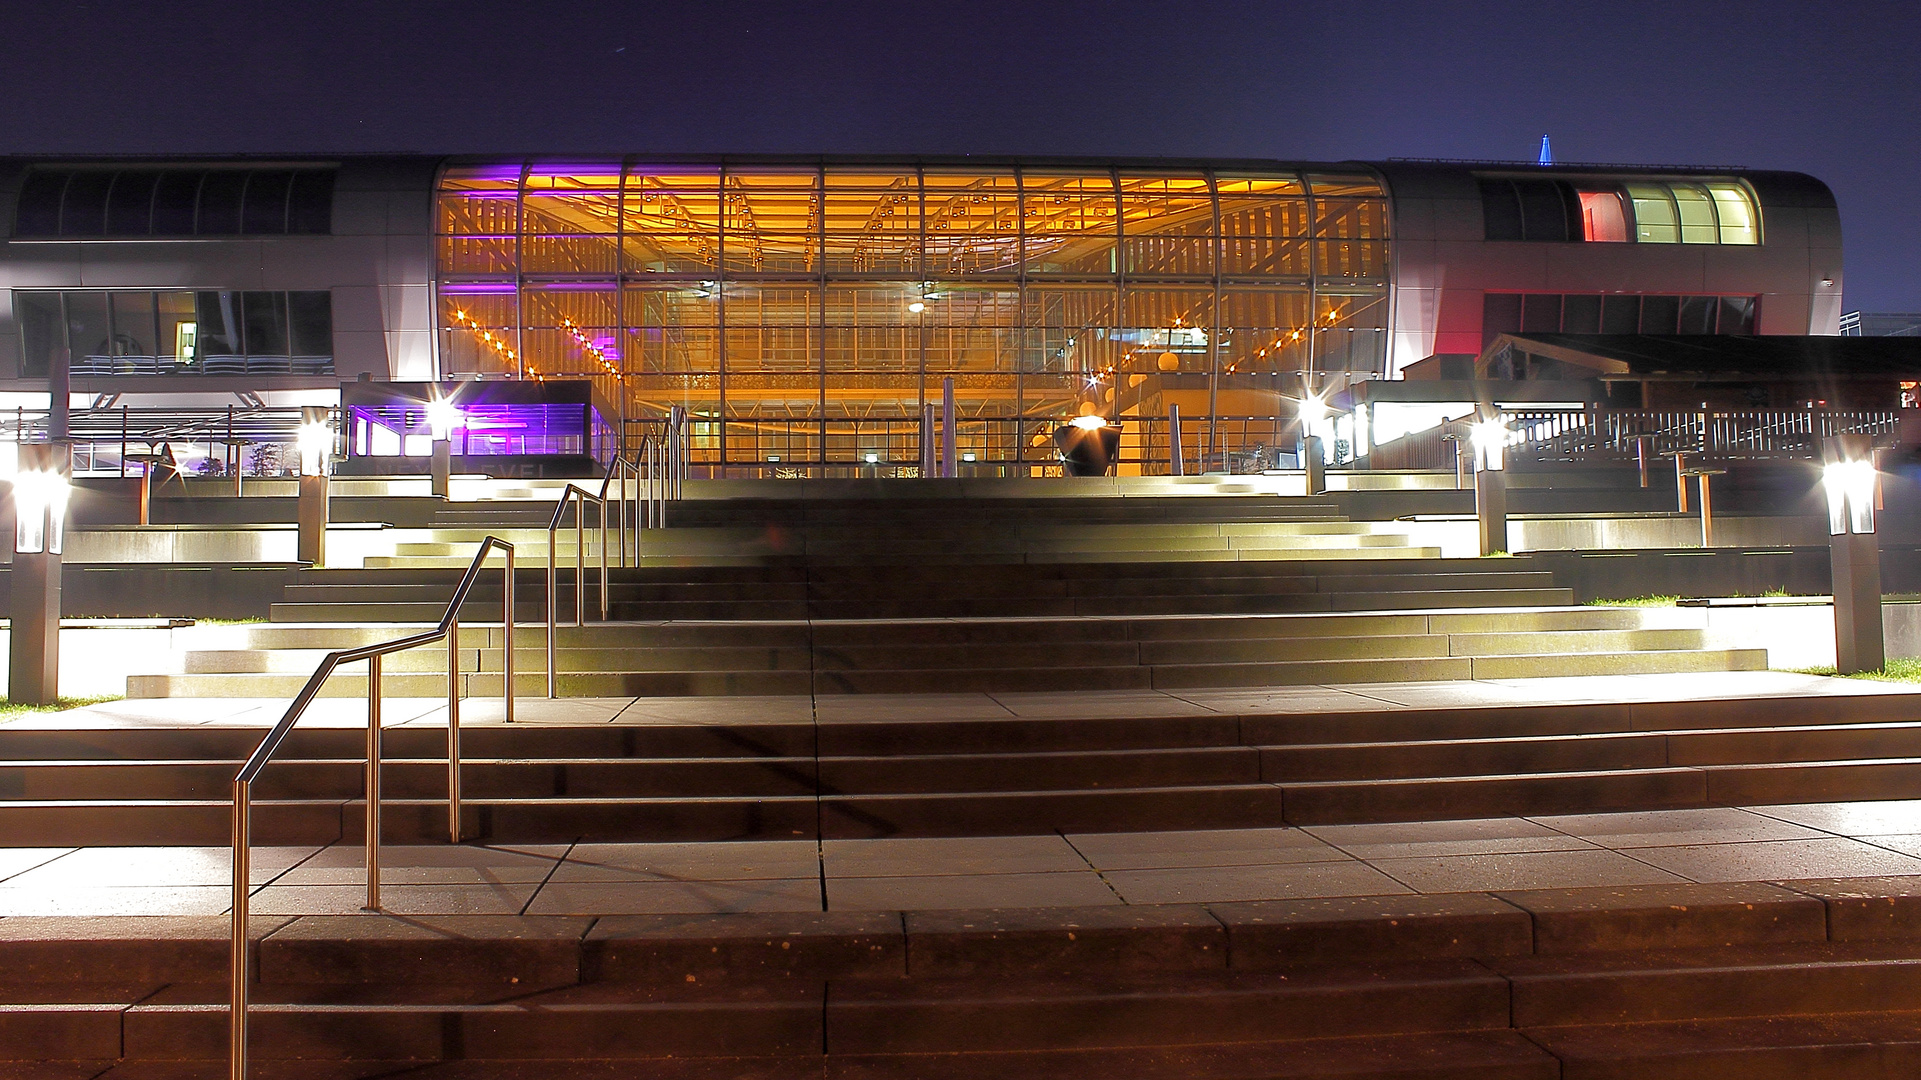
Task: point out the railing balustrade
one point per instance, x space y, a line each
448 629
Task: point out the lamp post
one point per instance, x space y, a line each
1489 437
40 490
1854 555
442 418
1313 449
315 441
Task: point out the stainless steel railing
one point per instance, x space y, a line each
578 497
449 630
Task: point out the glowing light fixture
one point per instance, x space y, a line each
1850 490
1490 441
443 416
1090 422
316 443
917 307
40 510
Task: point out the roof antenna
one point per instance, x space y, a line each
1547 152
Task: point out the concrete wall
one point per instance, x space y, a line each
1444 264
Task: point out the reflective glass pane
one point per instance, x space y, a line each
1739 222
89 334
133 328
264 208
130 204
310 323
220 202
38 212
310 203
1332 186
1697 314
265 323
1697 214
1660 314
1603 219
1736 315
83 212
1581 314
179 333
38 315
1654 218
972 224
1070 224
175 197
1620 315
1541 313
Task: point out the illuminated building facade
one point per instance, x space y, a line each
805 312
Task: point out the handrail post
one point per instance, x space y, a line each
453 728
580 557
237 970
553 604
603 560
373 784
507 648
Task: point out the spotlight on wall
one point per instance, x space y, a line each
917 307
1090 422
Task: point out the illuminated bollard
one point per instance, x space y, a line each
1314 464
443 416
316 449
40 490
1490 484
1854 556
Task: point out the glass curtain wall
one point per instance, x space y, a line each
805 315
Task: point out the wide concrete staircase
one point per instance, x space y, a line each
931 772
807 636
1803 979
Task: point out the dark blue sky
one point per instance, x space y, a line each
1830 89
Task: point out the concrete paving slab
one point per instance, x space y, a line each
1893 817
1195 848
17 861
1071 889
1668 828
1098 704
767 709
650 897
730 861
1833 856
411 864
117 867
1473 836
947 856
116 900
859 708
1522 870
1224 884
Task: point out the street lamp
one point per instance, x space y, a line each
1313 413
1489 438
315 440
443 416
1854 555
40 491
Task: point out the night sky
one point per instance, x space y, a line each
1830 89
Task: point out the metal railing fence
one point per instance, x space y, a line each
448 630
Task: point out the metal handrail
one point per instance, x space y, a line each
449 629
579 496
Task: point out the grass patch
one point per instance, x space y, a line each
1637 601
10 710
248 621
1906 669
